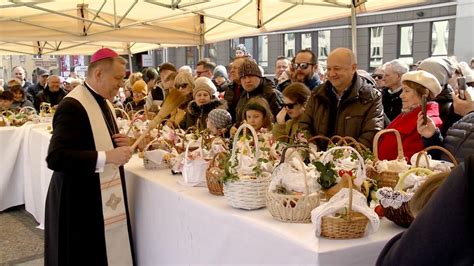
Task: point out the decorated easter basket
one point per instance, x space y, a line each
294 208
386 178
248 193
352 225
215 173
150 163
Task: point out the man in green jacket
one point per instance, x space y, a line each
346 104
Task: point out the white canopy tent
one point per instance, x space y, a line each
131 26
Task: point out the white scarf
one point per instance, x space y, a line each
113 207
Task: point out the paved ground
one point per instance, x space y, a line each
20 241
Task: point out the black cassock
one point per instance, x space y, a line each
74 222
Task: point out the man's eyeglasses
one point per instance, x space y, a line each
183 85
377 76
289 105
301 65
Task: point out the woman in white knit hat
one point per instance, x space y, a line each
204 101
415 85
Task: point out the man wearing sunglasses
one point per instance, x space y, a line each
346 104
304 68
392 79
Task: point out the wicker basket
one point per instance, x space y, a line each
293 208
214 175
424 153
248 194
360 173
386 178
149 164
402 215
352 226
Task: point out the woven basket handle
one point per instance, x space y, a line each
236 138
445 151
186 152
361 174
423 154
216 158
305 176
349 208
400 155
283 154
27 108
353 142
123 113
413 170
338 140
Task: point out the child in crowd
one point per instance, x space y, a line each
6 100
204 101
140 91
219 121
257 114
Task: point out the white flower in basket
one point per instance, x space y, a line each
247 183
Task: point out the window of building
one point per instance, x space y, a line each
289 45
249 42
439 38
263 52
306 41
324 46
406 44
233 45
210 51
376 47
191 56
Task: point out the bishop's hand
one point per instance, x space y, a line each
118 156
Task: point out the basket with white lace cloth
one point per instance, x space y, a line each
423 159
248 187
395 201
350 161
293 191
345 215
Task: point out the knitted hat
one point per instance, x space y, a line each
103 53
42 72
249 68
202 87
204 82
220 118
140 87
441 68
425 79
220 71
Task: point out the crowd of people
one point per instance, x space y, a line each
302 97
427 103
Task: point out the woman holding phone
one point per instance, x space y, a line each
416 86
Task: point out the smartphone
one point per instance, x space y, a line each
462 88
423 109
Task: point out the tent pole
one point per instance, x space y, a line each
354 29
201 37
130 63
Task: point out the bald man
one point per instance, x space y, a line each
52 94
346 104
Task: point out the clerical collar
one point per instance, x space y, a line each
92 89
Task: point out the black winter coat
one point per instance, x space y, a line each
392 104
197 115
265 90
446 109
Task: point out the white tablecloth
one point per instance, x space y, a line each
182 225
37 175
11 153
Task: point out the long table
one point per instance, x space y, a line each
174 224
